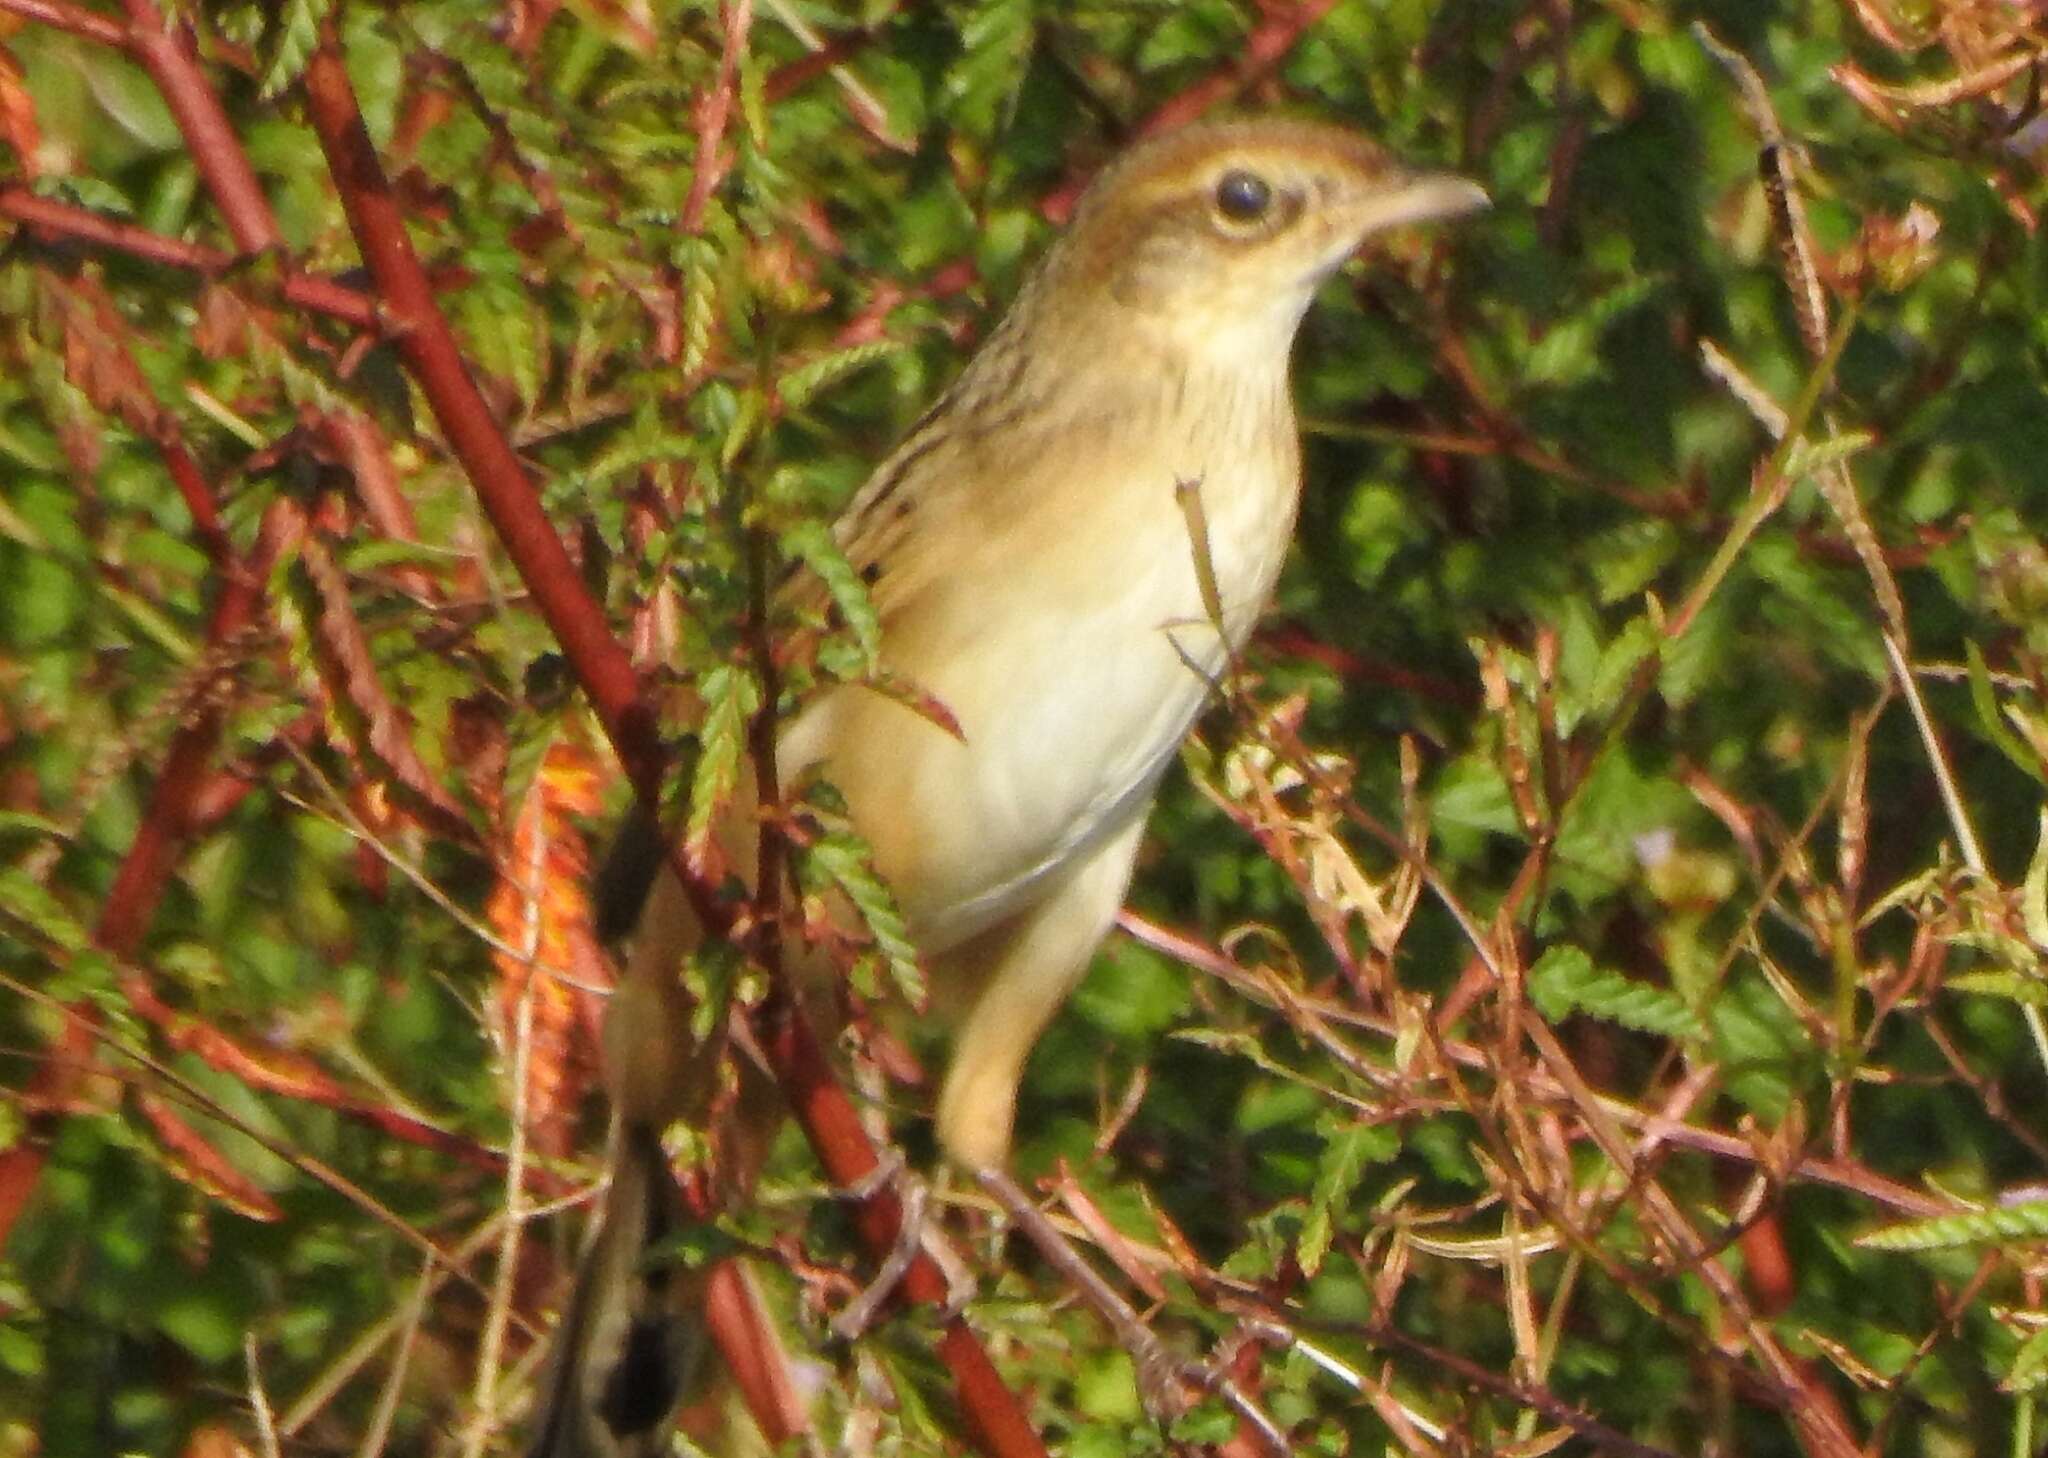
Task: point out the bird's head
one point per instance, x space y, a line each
1225 229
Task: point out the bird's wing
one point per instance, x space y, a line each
893 531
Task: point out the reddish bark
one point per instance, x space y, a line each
64 220
428 348
167 52
75 19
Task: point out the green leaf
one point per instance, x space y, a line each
1106 1388
2012 986
88 192
27 903
1210 1423
298 32
2027 1220
751 411
1352 1150
1984 700
812 542
1568 351
731 697
801 385
995 39
1565 981
844 860
698 261
204 1320
2034 889
2029 1364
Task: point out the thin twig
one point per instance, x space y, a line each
259 1401
378 1429
1958 814
491 1343
74 19
66 220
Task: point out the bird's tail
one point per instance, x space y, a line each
631 1337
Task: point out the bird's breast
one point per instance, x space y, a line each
1072 645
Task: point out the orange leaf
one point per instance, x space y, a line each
200 1165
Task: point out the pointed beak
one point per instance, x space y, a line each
1427 197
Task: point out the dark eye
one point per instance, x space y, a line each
1243 197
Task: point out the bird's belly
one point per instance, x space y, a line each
1069 713
1073 652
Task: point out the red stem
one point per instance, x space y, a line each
834 1129
793 76
145 870
75 19
428 348
140 881
321 296
714 109
1265 48
166 50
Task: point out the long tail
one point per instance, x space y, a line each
633 1331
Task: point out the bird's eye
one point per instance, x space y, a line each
1242 196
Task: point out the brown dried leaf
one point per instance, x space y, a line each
96 356
224 323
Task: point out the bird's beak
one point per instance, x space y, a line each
1427 197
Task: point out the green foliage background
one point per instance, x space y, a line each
1516 457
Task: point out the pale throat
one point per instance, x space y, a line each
1242 449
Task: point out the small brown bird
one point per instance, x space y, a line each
1035 571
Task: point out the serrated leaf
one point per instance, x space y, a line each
633 453
844 860
753 94
298 32
374 723
2029 1364
1810 458
698 262
1619 661
813 544
749 412
711 974
731 697
2009 985
1565 981
2027 1220
1346 1157
802 384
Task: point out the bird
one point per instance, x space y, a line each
1066 551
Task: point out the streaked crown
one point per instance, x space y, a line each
1241 217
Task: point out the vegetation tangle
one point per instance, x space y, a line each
1583 988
